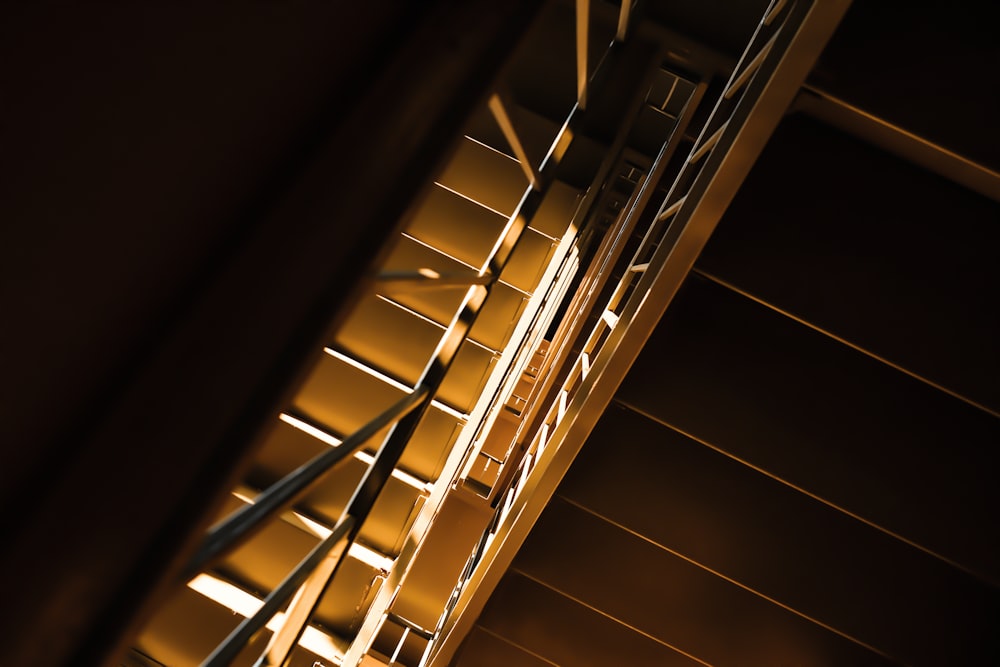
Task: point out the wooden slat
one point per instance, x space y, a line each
897 260
782 543
483 649
677 602
566 632
822 417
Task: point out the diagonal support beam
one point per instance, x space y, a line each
499 105
624 14
582 47
899 142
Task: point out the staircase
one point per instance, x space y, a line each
517 461
372 361
452 300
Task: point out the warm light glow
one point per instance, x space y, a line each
429 273
468 198
357 551
364 457
248 499
370 557
388 380
561 144
310 429
404 477
229 596
365 369
239 601
451 412
543 438
399 645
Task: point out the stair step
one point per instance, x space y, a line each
663 596
525 267
409 254
484 648
535 131
203 622
495 322
288 447
557 210
599 638
457 226
386 336
343 398
498 316
348 597
486 176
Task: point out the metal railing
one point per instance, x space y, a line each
761 86
549 403
310 578
301 589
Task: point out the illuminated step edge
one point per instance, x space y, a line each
245 604
362 456
354 363
357 551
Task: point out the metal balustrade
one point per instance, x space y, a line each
761 86
305 584
584 340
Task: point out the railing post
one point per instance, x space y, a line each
582 46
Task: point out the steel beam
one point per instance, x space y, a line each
898 141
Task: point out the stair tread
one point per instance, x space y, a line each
457 226
486 176
343 399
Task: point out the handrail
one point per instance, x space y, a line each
705 187
570 128
529 205
366 492
242 524
313 574
227 651
388 455
585 301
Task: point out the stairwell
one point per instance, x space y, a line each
795 468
